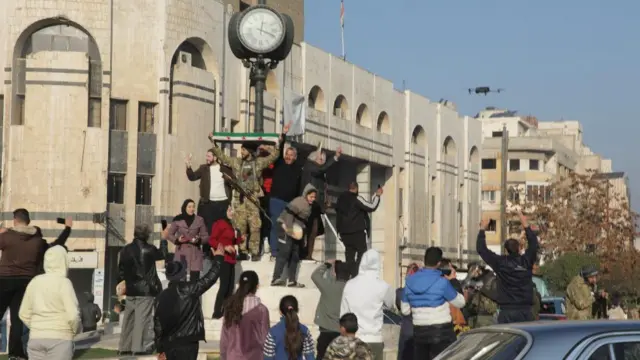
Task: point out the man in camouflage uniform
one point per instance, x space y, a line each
247 170
482 307
580 294
347 345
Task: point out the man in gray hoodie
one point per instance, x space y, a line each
290 236
330 279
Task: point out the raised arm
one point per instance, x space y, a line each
453 297
64 235
209 279
218 153
487 255
318 276
264 162
532 241
369 206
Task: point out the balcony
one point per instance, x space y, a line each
118 145
146 154
116 225
145 215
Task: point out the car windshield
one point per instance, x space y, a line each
485 345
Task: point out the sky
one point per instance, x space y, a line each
569 59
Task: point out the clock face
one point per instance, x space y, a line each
261 30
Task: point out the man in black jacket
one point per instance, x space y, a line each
285 186
352 217
137 268
515 274
178 323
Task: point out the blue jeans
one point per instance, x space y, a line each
276 207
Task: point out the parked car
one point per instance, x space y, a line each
553 308
568 340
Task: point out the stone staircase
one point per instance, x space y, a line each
269 295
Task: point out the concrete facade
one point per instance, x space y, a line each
104 99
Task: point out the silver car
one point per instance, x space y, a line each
568 340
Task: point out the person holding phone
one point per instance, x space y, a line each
188 231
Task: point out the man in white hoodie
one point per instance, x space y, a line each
50 310
366 295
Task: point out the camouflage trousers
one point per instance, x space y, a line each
247 216
479 321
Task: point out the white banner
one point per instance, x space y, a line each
295 112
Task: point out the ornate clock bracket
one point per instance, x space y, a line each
259 70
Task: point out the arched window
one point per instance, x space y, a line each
362 116
341 108
316 99
51 35
383 124
419 137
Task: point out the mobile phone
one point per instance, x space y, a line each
164 224
60 221
446 271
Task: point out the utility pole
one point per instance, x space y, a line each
504 153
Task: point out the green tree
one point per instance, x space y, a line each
559 272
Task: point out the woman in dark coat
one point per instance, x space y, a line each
188 231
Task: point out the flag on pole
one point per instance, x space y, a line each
342 13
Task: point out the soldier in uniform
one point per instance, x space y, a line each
580 297
482 306
247 170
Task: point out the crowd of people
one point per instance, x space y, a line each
229 223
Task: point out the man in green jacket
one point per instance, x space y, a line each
330 279
580 294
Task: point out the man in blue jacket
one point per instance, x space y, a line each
427 297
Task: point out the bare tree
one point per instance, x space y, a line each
583 213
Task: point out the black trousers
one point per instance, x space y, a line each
325 338
288 257
508 316
183 352
227 284
355 245
430 341
211 211
11 294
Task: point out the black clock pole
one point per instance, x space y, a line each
258 77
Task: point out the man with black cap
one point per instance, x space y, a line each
247 170
514 273
580 294
178 322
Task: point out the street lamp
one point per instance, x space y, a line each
261 37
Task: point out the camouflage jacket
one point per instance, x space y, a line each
348 347
482 305
579 299
248 172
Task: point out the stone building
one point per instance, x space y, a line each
103 100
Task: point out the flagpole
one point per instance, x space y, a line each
344 54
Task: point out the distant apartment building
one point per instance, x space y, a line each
538 153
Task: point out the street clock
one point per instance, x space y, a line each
261 31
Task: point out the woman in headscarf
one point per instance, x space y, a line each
188 231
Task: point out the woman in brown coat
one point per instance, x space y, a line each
188 231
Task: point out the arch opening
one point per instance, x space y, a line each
474 157
362 116
383 124
341 107
315 100
56 35
419 137
449 147
194 52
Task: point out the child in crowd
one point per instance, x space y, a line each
246 322
289 340
347 345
